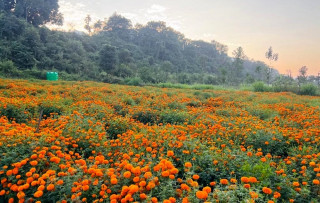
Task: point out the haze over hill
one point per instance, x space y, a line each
290 26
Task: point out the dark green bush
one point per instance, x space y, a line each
14 113
48 111
146 117
275 144
118 109
260 87
308 89
134 81
116 127
173 117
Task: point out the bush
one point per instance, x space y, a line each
50 110
116 127
14 113
146 117
8 69
260 87
134 81
308 89
173 117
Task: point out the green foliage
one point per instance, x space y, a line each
308 89
114 51
134 81
50 110
108 58
116 126
14 113
262 171
276 144
120 110
173 117
35 12
260 87
146 117
8 68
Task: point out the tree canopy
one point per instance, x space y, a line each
36 12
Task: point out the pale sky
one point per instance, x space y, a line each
291 27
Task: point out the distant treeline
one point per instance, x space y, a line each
115 51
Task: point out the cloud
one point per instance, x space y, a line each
74 15
155 8
157 12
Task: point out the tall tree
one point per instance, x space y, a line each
87 22
7 5
108 58
271 57
302 77
239 57
36 12
117 22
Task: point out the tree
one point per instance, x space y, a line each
271 57
7 5
87 22
98 26
239 57
108 58
117 22
302 77
36 12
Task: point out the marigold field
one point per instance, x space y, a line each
96 142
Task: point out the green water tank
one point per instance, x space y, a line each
52 76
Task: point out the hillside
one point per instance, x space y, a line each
115 51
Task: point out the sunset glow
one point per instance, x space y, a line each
291 27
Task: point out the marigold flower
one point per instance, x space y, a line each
266 190
201 195
224 182
38 194
188 165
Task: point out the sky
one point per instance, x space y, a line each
291 27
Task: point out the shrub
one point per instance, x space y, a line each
48 111
173 117
134 81
14 113
308 89
146 117
260 87
118 109
116 127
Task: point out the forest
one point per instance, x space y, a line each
116 51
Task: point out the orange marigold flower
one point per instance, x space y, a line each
207 189
316 182
253 180
266 190
33 163
195 177
165 174
188 165
244 179
127 174
170 153
201 195
224 182
38 194
50 187
114 181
